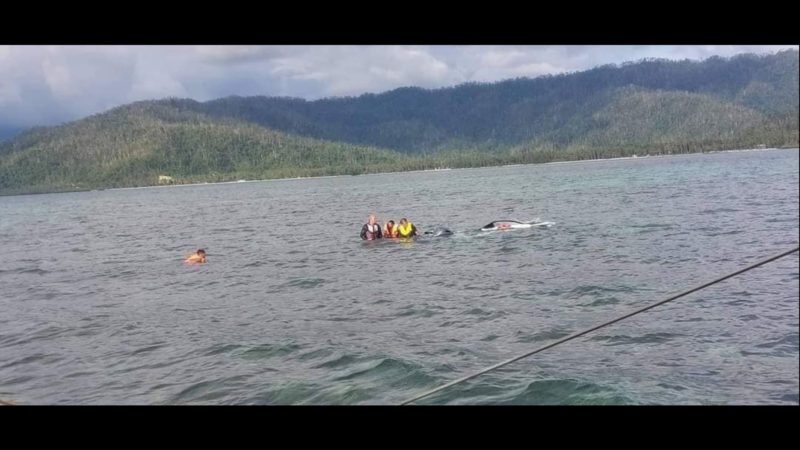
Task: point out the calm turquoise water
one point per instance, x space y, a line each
292 308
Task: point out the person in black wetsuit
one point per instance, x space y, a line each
371 230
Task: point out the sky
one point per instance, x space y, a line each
46 85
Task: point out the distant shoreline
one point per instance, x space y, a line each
445 169
433 170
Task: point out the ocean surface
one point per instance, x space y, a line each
96 306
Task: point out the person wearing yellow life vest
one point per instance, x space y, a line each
406 229
390 230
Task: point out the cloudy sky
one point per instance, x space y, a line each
42 85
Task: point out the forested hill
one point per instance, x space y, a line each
647 107
667 100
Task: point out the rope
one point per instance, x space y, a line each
576 335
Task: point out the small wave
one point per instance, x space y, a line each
725 233
417 312
289 393
35 271
484 315
567 392
377 368
785 345
540 392
265 351
305 283
148 349
650 338
603 301
791 398
589 289
123 274
208 391
340 395
719 210
221 348
525 295
255 264
385 372
36 358
79 374
44 334
18 380
316 354
652 225
548 335
342 360
673 387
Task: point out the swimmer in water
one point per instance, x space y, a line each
198 257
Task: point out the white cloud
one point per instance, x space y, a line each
43 85
238 53
58 79
9 94
354 70
154 85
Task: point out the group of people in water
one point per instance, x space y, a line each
372 229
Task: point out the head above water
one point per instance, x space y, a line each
201 252
403 221
390 223
371 219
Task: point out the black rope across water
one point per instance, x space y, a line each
576 335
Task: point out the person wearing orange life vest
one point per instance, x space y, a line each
390 230
406 229
371 230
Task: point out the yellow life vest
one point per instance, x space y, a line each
405 231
